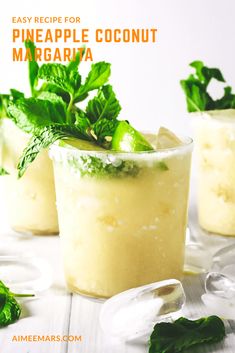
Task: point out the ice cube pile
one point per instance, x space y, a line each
220 284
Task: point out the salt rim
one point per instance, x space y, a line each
219 116
59 153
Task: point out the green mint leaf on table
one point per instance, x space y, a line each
183 333
196 85
3 171
31 114
44 138
10 309
33 67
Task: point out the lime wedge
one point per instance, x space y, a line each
167 139
127 139
80 144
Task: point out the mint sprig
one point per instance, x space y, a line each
10 309
31 114
183 334
196 85
44 138
69 80
104 106
97 126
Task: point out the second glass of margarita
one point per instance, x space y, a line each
122 216
30 200
215 150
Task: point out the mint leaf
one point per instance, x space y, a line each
74 64
43 139
195 89
82 121
52 97
92 166
30 114
101 115
97 77
162 166
196 96
33 67
61 76
226 102
66 79
10 309
15 94
104 106
205 74
183 333
4 100
104 130
49 87
3 171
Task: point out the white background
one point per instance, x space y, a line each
145 76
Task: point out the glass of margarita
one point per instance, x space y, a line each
215 150
30 201
122 216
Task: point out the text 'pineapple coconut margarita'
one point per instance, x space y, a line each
122 216
30 200
215 149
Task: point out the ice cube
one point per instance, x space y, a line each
25 273
219 306
224 257
133 313
229 271
220 292
220 285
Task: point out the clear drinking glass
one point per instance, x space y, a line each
122 216
215 150
30 200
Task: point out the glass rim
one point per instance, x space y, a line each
215 116
186 145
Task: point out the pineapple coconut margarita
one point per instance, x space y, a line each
121 195
214 123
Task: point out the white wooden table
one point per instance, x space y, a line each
56 312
